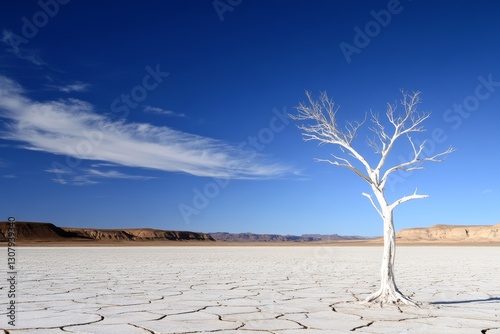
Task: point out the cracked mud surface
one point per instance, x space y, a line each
253 290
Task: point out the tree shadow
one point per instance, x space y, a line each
485 300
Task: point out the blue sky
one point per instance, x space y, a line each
173 114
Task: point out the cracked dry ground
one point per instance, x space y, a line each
254 290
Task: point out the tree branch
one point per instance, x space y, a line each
406 199
320 124
412 164
325 130
404 124
346 164
409 122
373 203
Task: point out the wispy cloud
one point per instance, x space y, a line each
113 174
160 111
71 177
487 191
98 165
71 127
59 171
23 53
84 177
74 87
9 176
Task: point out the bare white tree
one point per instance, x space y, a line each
318 122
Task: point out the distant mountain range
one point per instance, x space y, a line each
252 237
47 232
30 232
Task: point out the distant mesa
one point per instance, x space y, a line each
138 234
32 232
451 233
36 231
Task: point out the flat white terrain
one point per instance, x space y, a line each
253 290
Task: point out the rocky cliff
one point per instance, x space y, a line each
452 233
138 234
30 231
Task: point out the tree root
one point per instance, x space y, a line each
389 296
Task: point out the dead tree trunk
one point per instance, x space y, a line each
389 292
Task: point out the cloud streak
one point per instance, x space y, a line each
160 111
90 176
69 177
70 127
113 174
75 87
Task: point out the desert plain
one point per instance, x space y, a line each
253 290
